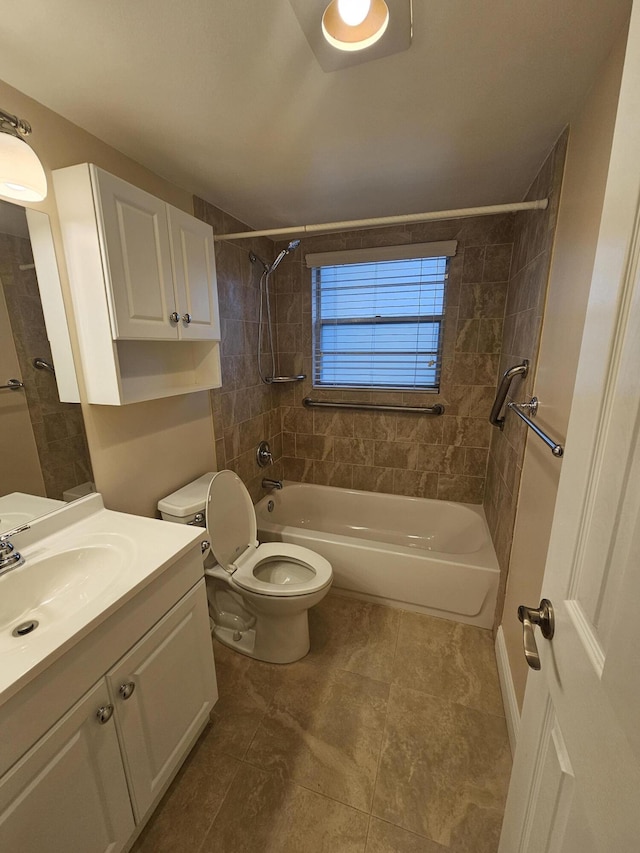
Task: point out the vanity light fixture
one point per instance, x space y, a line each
21 174
355 24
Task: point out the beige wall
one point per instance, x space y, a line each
141 452
576 236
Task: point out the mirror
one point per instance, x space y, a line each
43 445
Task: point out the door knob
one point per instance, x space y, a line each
530 616
186 318
174 317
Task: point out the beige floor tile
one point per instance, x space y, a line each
444 769
246 688
264 814
448 659
186 812
354 635
386 838
324 731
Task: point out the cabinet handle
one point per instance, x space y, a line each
104 714
125 690
174 317
186 318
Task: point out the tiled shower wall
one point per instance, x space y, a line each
441 457
245 411
533 243
58 427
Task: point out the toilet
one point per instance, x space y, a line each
258 595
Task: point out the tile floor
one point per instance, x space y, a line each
389 737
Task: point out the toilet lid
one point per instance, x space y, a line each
231 519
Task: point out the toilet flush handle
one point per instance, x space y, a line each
204 545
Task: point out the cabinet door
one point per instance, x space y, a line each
137 258
163 691
195 277
69 791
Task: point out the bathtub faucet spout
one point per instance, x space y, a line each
271 484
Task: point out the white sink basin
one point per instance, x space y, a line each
82 563
55 586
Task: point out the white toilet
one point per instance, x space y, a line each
259 595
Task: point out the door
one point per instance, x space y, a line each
576 778
69 791
195 277
163 691
134 237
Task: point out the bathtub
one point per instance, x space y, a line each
425 555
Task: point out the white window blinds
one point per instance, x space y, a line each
377 317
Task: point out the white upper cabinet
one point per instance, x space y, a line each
194 270
143 285
136 250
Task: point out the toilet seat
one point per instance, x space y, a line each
275 569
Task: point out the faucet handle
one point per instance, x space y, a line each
9 533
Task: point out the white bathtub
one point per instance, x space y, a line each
430 556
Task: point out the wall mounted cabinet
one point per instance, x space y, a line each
143 286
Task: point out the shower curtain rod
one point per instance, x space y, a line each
402 219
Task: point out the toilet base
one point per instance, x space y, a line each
281 640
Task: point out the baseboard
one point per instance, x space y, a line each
511 710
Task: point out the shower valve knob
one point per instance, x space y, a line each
186 318
174 317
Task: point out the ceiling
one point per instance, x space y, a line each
226 99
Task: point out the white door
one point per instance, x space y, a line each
163 691
195 277
69 791
575 786
137 257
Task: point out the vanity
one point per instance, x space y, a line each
107 676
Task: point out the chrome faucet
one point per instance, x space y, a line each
9 557
271 484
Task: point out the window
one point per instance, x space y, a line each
377 317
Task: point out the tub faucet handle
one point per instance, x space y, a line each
264 456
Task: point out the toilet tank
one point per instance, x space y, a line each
187 505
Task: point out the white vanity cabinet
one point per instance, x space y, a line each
143 285
93 778
69 792
161 691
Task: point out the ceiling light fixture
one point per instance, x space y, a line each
21 174
354 24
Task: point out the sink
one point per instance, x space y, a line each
82 564
54 586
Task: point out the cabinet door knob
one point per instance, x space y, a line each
186 318
125 690
174 317
104 714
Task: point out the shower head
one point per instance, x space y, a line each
290 248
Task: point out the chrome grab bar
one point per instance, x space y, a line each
438 409
276 380
532 406
505 383
12 385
